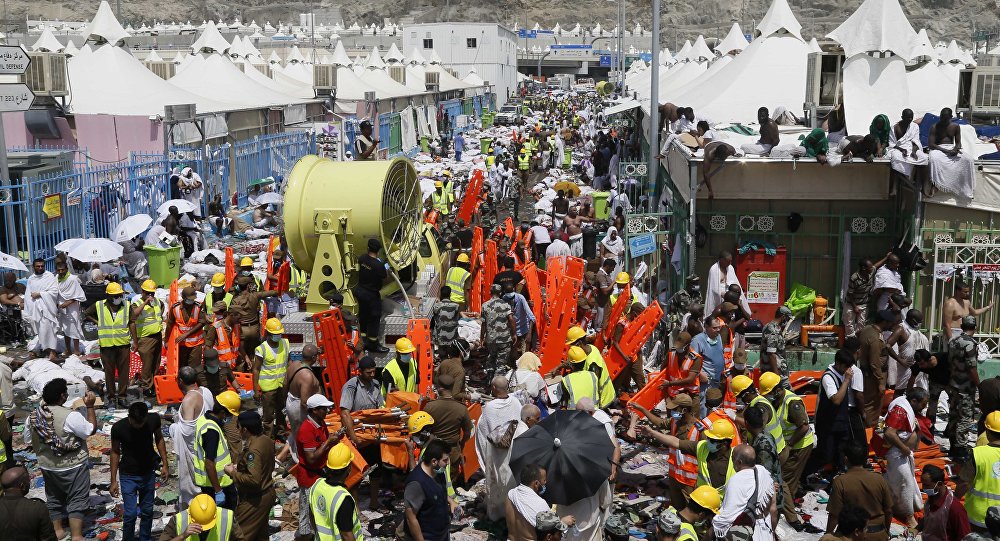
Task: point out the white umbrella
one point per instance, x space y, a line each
96 251
183 205
67 245
132 227
11 262
270 198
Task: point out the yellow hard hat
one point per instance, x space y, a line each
707 497
218 280
438 184
722 429
577 354
274 326
622 278
149 286
203 511
230 400
114 288
739 384
418 421
403 345
462 258
246 262
993 422
575 333
446 173
339 457
767 382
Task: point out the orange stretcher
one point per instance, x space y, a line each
471 464
535 294
471 199
419 332
230 267
489 270
617 309
650 395
562 304
334 353
476 297
638 331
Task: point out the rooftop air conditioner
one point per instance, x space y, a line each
164 70
47 75
398 74
264 68
824 85
324 77
432 78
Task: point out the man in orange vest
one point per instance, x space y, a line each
682 423
683 368
190 320
224 337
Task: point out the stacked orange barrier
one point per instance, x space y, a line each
165 385
476 295
471 464
472 197
508 228
535 294
650 395
419 332
638 331
562 304
172 347
489 267
230 267
575 267
617 309
334 354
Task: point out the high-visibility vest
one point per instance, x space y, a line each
703 476
457 276
787 428
325 501
984 490
272 370
677 370
729 400
407 384
715 415
222 457
209 301
727 343
440 202
183 326
220 532
112 329
773 425
683 467
580 384
567 158
3 449
687 533
150 320
524 161
605 388
227 344
490 160
297 281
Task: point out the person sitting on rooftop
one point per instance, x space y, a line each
814 145
768 135
855 146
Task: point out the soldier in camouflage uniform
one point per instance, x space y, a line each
772 357
963 353
498 331
514 187
679 303
487 210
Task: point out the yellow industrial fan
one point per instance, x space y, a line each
605 88
332 208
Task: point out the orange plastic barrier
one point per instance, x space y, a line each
230 267
471 199
562 306
471 464
419 332
334 354
633 338
535 294
575 267
489 271
245 379
526 248
167 391
508 228
476 298
651 395
617 309
553 271
173 350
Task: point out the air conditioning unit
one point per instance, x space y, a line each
47 75
324 77
432 78
398 74
180 113
264 68
824 84
452 72
164 70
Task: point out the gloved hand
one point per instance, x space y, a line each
220 498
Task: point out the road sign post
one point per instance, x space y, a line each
13 97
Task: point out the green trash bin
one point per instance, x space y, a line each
164 264
488 120
484 145
424 146
601 209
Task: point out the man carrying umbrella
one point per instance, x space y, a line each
715 462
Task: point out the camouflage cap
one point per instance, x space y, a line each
668 522
617 525
547 521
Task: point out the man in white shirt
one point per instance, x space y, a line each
540 236
721 275
558 247
750 503
887 282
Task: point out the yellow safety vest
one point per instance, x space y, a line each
457 276
112 329
687 533
150 320
325 502
985 488
523 162
223 526
567 158
787 428
272 370
410 383
579 385
297 281
605 387
703 476
222 457
209 301
440 201
490 160
773 424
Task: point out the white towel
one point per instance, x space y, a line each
953 174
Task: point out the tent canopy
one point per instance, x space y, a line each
210 41
105 27
734 41
876 26
779 18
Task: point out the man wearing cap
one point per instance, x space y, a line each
773 345
112 320
459 280
498 331
798 436
704 504
549 527
963 351
246 305
365 145
746 394
312 444
452 423
216 376
218 294
683 368
203 519
252 476
372 274
717 410
668 525
231 405
682 467
715 464
190 320
269 366
146 326
362 392
224 336
864 488
749 507
333 509
872 361
977 478
616 528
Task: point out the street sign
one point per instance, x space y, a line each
641 245
13 60
527 34
15 97
578 51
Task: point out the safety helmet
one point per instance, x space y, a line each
993 421
722 429
462 258
339 457
575 333
246 262
274 326
203 511
577 354
404 345
622 278
230 400
114 288
768 382
739 384
438 184
218 280
707 497
418 421
149 286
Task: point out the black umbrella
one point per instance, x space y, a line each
575 451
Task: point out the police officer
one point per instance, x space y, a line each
253 477
333 509
400 374
269 366
147 333
372 273
458 280
364 144
746 393
773 341
963 351
798 436
245 305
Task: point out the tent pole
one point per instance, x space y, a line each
653 169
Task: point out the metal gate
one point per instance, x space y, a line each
978 265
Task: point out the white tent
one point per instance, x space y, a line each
294 56
416 57
814 46
105 27
210 41
473 78
70 49
734 41
931 89
923 48
779 18
416 77
236 49
374 60
394 56
385 86
700 51
684 53
47 42
446 81
153 56
876 26
216 77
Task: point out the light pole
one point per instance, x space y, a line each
653 168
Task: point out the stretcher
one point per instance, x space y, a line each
472 197
651 394
562 305
471 463
476 293
534 287
489 271
617 309
230 267
638 331
419 332
334 353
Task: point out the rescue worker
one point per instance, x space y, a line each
633 371
210 457
866 489
246 269
114 337
362 392
224 336
218 295
978 476
400 374
459 279
700 509
621 281
146 327
440 200
216 376
278 275
269 365
714 453
716 411
746 393
683 367
253 477
798 436
595 363
420 426
334 510
668 525
246 307
773 345
230 401
189 319
682 468
580 382
372 273
203 516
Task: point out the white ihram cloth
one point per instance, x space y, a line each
900 472
953 174
905 164
42 312
899 371
590 514
493 424
182 434
527 502
739 490
70 322
886 278
716 287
